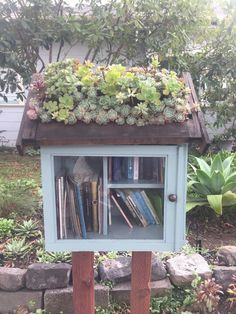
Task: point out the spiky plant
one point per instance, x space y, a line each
120 120
140 122
84 103
160 119
154 108
169 102
169 113
104 102
72 118
92 106
130 120
92 92
79 112
78 96
87 118
102 117
125 110
84 90
208 295
45 116
180 117
134 112
142 109
112 115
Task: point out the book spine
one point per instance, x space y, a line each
100 207
121 211
94 205
130 168
136 210
80 211
110 169
136 168
116 167
87 206
143 207
151 208
141 168
60 207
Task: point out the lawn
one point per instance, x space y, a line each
13 166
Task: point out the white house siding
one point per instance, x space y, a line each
10 120
11 115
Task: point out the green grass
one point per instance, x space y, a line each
13 167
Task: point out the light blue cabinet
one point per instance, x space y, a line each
138 183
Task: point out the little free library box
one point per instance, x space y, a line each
114 187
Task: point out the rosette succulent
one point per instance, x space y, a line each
71 92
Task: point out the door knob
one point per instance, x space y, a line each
172 197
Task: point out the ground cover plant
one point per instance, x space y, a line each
72 92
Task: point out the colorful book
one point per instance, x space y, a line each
144 208
79 206
74 218
116 169
147 168
121 211
142 219
130 168
136 168
94 194
150 206
124 203
157 203
100 206
87 205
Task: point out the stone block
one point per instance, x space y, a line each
48 276
10 301
12 279
182 269
227 255
60 300
119 269
223 275
158 269
115 270
161 288
120 293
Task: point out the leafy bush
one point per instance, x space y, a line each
17 249
214 182
53 257
6 227
17 198
27 229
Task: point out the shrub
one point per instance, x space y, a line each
17 198
213 182
6 227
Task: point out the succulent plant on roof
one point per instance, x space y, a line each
71 92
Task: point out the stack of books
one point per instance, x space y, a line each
79 207
136 168
138 206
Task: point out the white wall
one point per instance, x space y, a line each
10 120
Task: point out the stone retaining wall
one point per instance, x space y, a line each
48 286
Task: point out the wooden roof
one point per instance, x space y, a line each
33 132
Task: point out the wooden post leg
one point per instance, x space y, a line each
83 282
140 282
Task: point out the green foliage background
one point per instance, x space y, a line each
188 35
